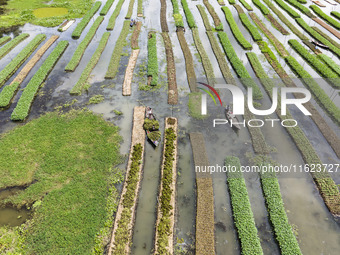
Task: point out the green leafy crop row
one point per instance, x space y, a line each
238 66
106 7
211 10
319 94
78 53
130 9
112 20
250 27
176 14
205 18
122 232
302 1
261 6
4 40
76 90
17 61
114 62
325 17
289 10
326 36
164 228
232 2
242 213
336 14
188 14
312 59
140 7
9 46
236 31
330 62
152 59
300 7
24 104
86 19
246 5
317 36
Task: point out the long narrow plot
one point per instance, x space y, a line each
4 40
205 235
106 7
79 52
167 196
112 20
19 59
24 104
125 215
9 46
9 91
115 58
152 59
76 90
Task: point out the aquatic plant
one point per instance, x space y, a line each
112 20
288 9
106 7
152 59
188 14
325 17
14 42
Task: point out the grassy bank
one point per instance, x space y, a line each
72 176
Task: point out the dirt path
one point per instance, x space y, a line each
137 137
205 228
327 27
170 245
129 73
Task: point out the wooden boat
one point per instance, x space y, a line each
332 3
318 3
232 119
320 45
151 127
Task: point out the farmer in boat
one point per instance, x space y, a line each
149 113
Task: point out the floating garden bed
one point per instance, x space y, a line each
330 63
24 104
79 52
77 89
4 40
242 213
176 14
116 55
335 14
327 37
164 23
152 59
216 19
325 17
246 5
19 59
236 31
140 8
301 7
247 24
85 20
14 42
66 25
130 9
204 16
188 14
112 20
9 91
288 9
106 7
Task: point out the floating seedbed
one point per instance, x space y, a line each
327 37
130 9
14 42
66 25
129 73
79 52
330 63
242 213
246 5
77 89
23 106
106 7
140 8
335 14
176 14
86 19
301 8
125 216
116 55
4 40
135 35
19 59
335 32
190 18
164 23
216 19
285 7
318 3
205 229
152 59
9 91
164 242
112 20
204 16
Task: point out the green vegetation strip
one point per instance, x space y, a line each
283 18
72 186
318 37
209 71
248 25
106 7
176 14
4 40
140 8
204 16
321 97
130 9
165 221
327 37
24 104
9 46
238 66
115 58
325 17
242 213
287 8
19 59
312 59
112 20
276 43
76 90
246 5
232 2
330 63
211 10
188 14
261 6
324 182
85 20
301 7
236 31
79 52
152 59
336 14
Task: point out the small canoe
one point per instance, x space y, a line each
151 127
232 120
332 3
63 27
318 3
320 45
